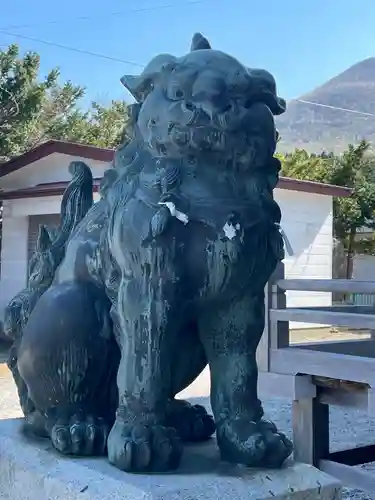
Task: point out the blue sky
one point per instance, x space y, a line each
302 42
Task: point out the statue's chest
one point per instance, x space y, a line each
221 204
226 268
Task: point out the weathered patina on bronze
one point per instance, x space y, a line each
132 296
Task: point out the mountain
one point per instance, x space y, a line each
317 128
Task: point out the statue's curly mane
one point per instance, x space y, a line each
246 157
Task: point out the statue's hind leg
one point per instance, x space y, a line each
192 422
34 420
68 361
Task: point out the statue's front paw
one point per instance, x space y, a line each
255 444
138 447
80 435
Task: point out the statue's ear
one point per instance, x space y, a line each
141 85
43 242
265 86
199 42
137 86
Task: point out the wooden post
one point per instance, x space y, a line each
310 431
265 344
279 330
263 350
310 417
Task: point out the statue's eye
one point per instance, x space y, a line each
176 93
235 89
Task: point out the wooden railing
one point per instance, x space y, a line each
316 375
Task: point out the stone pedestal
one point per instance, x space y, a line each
31 470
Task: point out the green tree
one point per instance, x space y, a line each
105 126
29 107
34 110
353 169
302 165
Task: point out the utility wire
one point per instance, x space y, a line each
9 32
334 107
139 65
104 15
72 49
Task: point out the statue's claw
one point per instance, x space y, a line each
81 435
135 447
255 444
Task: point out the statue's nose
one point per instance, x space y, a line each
212 107
206 108
210 93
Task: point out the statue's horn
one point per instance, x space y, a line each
199 42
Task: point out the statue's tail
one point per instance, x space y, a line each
50 249
76 202
49 252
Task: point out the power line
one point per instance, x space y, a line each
7 31
139 65
72 49
335 107
101 16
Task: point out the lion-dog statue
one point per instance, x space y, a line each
132 296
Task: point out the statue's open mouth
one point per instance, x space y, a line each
204 137
228 118
205 128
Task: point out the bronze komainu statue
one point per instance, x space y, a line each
131 298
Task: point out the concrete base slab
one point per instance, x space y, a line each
31 470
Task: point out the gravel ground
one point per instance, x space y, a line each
348 428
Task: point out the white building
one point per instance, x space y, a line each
31 188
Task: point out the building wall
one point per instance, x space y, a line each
16 245
14 258
52 168
307 222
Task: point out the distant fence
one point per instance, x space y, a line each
360 299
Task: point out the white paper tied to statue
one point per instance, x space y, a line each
229 229
174 212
